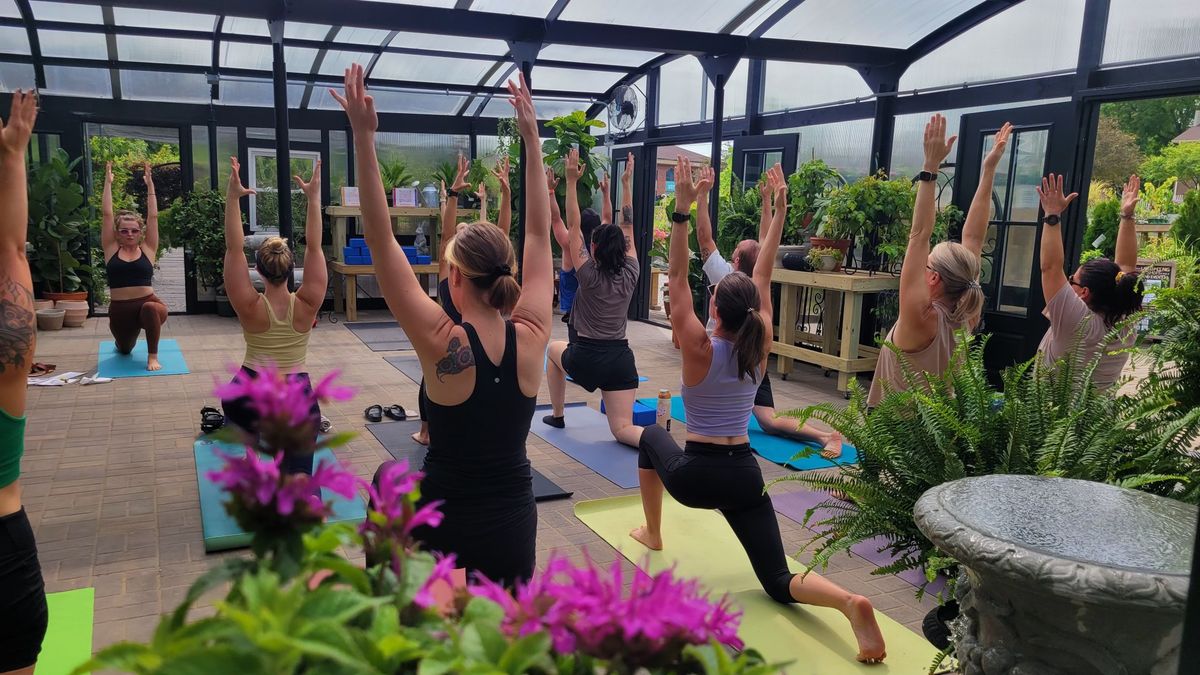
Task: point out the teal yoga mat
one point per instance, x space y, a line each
781 451
133 364
221 532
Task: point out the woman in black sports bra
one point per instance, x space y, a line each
482 377
129 252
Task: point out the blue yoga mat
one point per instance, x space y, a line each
587 440
781 451
133 364
221 532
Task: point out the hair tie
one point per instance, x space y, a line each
1119 275
973 284
502 271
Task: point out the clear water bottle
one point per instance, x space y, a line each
662 415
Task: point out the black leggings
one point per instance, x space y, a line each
23 614
241 412
726 478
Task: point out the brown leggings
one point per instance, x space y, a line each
128 318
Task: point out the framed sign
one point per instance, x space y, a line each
349 196
405 196
1160 274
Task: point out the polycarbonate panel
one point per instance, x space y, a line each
546 109
14 40
258 94
227 146
445 4
755 20
596 55
416 102
153 18
681 88
392 66
260 57
338 169
846 146
450 43
696 15
8 9
735 92
305 31
421 153
538 8
336 61
883 23
239 25
164 50
67 81
790 85
57 11
1151 29
297 135
143 85
73 45
16 76
569 79
1028 42
360 36
201 161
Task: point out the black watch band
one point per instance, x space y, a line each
451 193
1052 220
925 176
680 217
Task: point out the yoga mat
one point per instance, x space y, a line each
409 365
795 504
396 438
221 532
68 640
699 544
775 449
133 364
587 440
380 336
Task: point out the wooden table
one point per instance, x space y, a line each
844 355
655 275
346 293
340 224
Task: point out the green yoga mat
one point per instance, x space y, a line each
221 532
699 544
781 451
68 640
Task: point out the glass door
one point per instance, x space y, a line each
753 155
264 179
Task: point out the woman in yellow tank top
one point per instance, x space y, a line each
276 323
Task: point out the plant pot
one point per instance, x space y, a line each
830 263
784 250
76 312
50 319
224 307
842 245
74 296
42 304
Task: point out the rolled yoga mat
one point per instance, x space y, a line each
68 642
114 364
396 438
699 544
380 336
588 440
221 531
781 451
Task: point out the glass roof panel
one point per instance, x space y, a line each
449 4
758 17
164 50
702 15
258 94
569 79
392 66
246 55
66 81
57 11
16 76
153 18
8 9
735 92
144 85
14 40
884 23
1151 29
597 55
395 101
361 36
1031 45
450 43
538 8
305 31
69 44
546 109
336 61
239 25
789 85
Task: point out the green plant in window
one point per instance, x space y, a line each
58 230
1103 221
811 182
738 216
1156 201
1187 227
199 217
574 131
395 174
444 173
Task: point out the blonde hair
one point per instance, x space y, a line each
959 269
274 260
482 253
128 215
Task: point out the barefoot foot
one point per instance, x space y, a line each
833 446
650 541
862 619
421 437
152 363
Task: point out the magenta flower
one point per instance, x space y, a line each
426 515
442 571
387 531
263 496
285 404
396 483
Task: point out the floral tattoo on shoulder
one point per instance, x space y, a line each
458 359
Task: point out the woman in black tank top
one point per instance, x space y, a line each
482 376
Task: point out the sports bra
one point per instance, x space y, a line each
280 344
12 446
720 405
124 273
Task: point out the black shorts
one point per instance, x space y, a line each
764 397
607 365
23 614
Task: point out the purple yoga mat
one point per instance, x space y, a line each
795 504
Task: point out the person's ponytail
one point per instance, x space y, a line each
750 344
969 305
737 304
1112 293
504 293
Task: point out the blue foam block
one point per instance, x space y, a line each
424 259
133 364
358 242
643 414
409 251
358 260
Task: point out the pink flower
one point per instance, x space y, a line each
659 235
262 492
327 391
426 515
442 571
285 404
396 483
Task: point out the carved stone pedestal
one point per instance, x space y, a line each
1064 576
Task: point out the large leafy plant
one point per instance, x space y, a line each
198 219
806 187
58 228
738 215
573 131
1103 220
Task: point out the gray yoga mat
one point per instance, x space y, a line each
380 336
409 365
396 438
587 440
795 504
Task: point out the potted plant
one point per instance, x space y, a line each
58 233
573 131
199 219
825 259
394 174
806 187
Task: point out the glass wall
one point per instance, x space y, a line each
790 85
845 146
201 162
339 166
1151 29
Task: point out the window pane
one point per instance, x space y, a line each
243 26
597 55
567 79
524 7
1017 269
67 81
797 85
884 23
296 135
16 76
360 36
845 146
160 86
260 57
1150 29
8 9
14 40
1030 44
546 109
164 50
758 17
227 146
73 45
392 66
735 92
680 89
305 31
450 43
337 61
57 11
698 15
153 18
421 153
201 161
338 165
1028 173
259 94
998 206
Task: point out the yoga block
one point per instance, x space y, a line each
349 252
424 259
358 242
358 260
409 251
643 415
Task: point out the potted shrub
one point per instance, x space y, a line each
839 219
394 174
573 131
198 218
806 187
825 259
58 233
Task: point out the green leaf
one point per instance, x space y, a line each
336 605
123 656
524 653
212 659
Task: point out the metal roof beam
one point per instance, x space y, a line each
769 22
35 45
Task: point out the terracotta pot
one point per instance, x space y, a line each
76 312
50 319
842 245
73 295
43 304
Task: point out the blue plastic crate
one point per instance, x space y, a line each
424 259
643 415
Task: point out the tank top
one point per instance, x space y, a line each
280 344
721 404
12 446
934 358
447 302
124 273
477 448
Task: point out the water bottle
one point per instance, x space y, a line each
663 413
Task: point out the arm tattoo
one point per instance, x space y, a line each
627 215
16 324
457 359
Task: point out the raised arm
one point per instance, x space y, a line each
764 215
913 329
693 339
450 212
504 222
627 207
765 263
557 226
579 247
316 275
534 309
1127 248
237 275
1054 203
606 214
18 324
108 224
150 244
975 227
704 232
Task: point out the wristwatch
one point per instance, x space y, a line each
681 217
1052 219
451 193
925 175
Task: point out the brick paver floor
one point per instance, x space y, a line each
110 484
